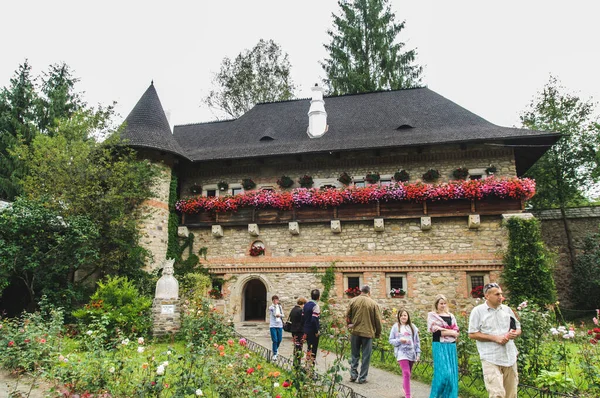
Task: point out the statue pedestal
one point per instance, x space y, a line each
166 316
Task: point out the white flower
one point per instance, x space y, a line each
199 392
140 349
168 353
111 369
125 342
160 370
141 340
554 331
165 363
89 332
275 385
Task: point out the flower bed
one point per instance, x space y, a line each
506 188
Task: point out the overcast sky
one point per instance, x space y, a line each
490 57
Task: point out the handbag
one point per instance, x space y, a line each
287 325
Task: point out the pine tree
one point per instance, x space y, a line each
17 126
364 53
58 97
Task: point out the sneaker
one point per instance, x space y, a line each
352 380
274 358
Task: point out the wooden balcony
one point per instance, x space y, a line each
356 212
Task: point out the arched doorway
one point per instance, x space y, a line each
255 301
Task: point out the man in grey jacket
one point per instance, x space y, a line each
364 320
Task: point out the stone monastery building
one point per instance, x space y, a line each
405 190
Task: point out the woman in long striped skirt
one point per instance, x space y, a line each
445 331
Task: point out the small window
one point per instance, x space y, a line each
477 174
354 282
236 191
395 283
211 192
475 283
328 186
359 184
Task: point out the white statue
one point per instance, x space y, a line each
167 286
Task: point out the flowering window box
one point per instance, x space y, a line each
477 292
397 293
352 292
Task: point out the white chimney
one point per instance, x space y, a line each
317 117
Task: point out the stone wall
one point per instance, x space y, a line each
583 221
433 262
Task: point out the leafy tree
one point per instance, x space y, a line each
364 53
527 273
258 75
586 274
567 169
17 125
42 249
102 181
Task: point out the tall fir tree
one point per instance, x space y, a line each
570 167
365 53
58 98
17 126
27 108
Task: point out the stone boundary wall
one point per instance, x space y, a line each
583 221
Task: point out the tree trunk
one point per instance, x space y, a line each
570 245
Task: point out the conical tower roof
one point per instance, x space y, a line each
147 125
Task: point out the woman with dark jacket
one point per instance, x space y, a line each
297 330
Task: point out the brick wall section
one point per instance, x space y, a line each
583 221
154 223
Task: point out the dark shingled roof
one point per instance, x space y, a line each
355 122
147 125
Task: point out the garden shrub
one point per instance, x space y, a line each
118 301
202 323
29 342
528 264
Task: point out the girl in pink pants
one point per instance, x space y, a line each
404 336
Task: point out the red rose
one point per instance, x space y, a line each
286 384
250 371
11 343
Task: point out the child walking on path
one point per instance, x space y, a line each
404 336
276 324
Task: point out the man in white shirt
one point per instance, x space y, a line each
494 326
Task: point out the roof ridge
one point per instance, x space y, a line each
202 123
345 95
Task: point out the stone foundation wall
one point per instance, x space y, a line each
433 262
